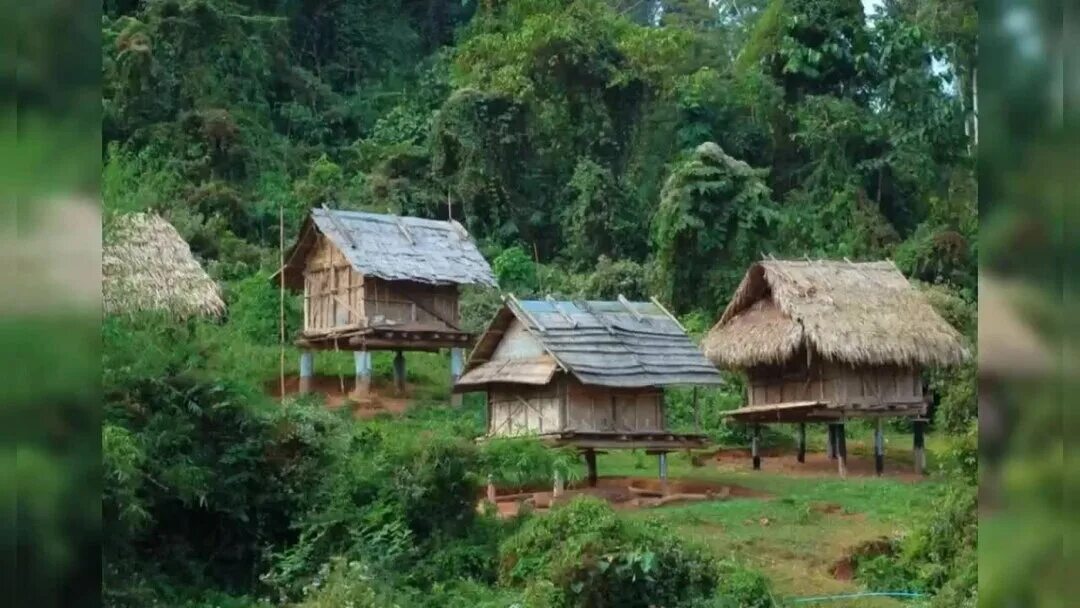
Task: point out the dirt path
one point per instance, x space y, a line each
382 398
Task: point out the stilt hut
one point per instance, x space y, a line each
585 374
147 266
382 282
828 341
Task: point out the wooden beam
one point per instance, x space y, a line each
555 305
667 312
404 230
626 304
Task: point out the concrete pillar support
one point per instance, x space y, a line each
307 370
457 365
362 359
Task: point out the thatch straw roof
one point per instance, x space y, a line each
146 265
1008 346
860 313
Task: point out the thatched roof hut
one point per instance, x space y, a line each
856 313
147 265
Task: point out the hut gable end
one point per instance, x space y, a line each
857 313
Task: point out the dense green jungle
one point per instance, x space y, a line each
592 148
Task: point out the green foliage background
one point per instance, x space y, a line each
593 148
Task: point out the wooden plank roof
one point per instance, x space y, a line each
394 248
616 344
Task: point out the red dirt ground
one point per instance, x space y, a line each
817 464
381 399
622 493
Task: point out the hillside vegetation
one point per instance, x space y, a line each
592 148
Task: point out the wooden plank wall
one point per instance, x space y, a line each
404 302
517 343
337 298
333 291
878 385
516 410
595 408
834 383
794 381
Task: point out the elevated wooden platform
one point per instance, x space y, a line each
819 411
395 338
616 440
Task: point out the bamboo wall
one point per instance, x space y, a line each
337 298
333 291
565 404
519 409
837 384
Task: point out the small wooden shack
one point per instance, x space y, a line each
382 282
826 341
585 374
147 266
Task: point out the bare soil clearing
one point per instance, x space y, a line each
817 464
382 398
624 493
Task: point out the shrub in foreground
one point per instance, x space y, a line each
581 554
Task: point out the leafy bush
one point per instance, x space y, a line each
525 462
581 554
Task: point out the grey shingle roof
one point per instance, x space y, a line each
405 248
632 344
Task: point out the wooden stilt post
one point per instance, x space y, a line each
362 360
919 452
590 464
802 442
697 413
879 449
663 472
755 448
831 449
841 449
307 370
399 372
490 489
559 485
457 364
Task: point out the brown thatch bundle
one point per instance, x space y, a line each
861 313
147 265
